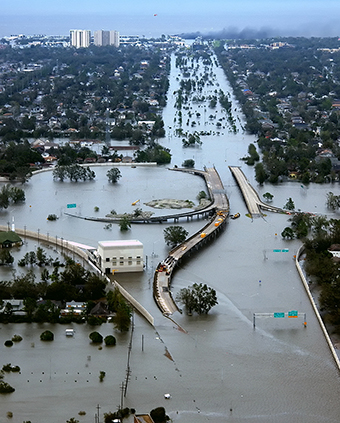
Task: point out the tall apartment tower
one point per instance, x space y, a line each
106 38
114 38
80 38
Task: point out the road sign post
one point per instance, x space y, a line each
280 315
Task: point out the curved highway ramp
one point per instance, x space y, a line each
163 274
251 197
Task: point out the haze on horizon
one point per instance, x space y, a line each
152 18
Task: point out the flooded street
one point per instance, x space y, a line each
221 368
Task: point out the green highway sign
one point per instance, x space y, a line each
279 315
285 250
71 206
276 251
293 313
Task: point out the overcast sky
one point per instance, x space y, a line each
156 17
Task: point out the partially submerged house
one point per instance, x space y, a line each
9 239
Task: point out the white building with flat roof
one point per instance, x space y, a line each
80 38
106 38
120 256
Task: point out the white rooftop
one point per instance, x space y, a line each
121 243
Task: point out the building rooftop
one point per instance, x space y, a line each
120 243
9 236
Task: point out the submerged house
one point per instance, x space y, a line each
9 239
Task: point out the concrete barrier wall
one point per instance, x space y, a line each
318 316
135 304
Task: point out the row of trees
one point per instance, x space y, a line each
72 283
73 172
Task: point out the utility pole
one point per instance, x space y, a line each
122 388
96 417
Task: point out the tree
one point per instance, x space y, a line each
289 204
201 195
268 196
186 297
96 337
30 304
174 235
47 336
122 318
301 223
260 174
5 388
333 201
41 257
124 223
189 163
102 374
94 287
5 257
110 340
52 217
113 175
114 298
288 233
158 415
198 297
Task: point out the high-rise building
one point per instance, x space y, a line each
80 38
114 38
106 38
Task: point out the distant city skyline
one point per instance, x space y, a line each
153 18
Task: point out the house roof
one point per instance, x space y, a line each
9 236
121 243
99 309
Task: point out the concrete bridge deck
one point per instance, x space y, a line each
251 197
163 274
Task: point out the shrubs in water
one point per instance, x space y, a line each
6 367
47 336
110 340
101 376
96 337
158 415
5 388
52 217
9 368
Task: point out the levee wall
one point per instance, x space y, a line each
318 316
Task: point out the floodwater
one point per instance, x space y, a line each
220 368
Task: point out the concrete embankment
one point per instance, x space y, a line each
317 313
